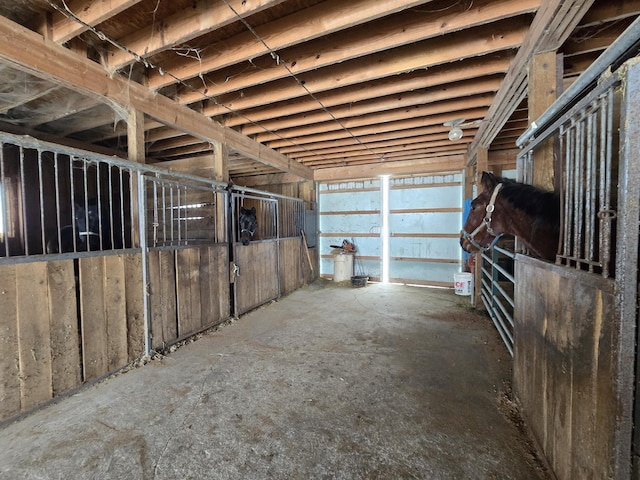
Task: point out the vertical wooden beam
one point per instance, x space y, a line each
220 158
220 174
469 174
136 153
135 136
543 77
482 165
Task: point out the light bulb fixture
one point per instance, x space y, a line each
455 133
456 127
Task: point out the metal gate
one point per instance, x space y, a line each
184 254
258 268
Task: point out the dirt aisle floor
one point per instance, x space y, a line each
331 382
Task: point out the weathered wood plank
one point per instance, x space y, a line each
115 311
94 323
188 291
210 309
9 361
258 279
290 270
565 367
162 298
135 305
66 363
34 334
221 270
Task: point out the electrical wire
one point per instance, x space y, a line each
67 12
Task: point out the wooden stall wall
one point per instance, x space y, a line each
257 278
188 291
63 324
295 269
565 366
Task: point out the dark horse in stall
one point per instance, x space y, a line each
248 224
92 231
513 208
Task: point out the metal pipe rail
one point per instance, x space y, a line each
494 295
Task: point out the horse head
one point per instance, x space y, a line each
508 207
87 220
248 224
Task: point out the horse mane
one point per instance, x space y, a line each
542 205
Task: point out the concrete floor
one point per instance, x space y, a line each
331 382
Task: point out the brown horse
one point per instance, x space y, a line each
513 208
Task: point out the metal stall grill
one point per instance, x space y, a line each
497 290
53 201
586 141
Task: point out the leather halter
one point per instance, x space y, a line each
486 223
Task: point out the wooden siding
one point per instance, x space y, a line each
565 366
295 270
189 291
257 282
56 336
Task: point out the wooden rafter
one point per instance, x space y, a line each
298 27
28 51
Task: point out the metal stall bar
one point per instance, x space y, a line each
498 302
627 359
585 171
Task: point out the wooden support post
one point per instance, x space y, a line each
136 151
543 77
482 165
220 174
469 180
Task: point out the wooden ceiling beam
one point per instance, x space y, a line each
202 17
436 120
423 55
455 91
364 40
612 11
437 76
91 13
375 137
423 141
442 110
28 51
390 154
314 22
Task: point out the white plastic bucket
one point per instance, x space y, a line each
463 283
342 267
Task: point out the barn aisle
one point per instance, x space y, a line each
381 382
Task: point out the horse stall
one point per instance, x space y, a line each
575 319
101 262
267 252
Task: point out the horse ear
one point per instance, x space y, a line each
488 181
252 211
243 210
